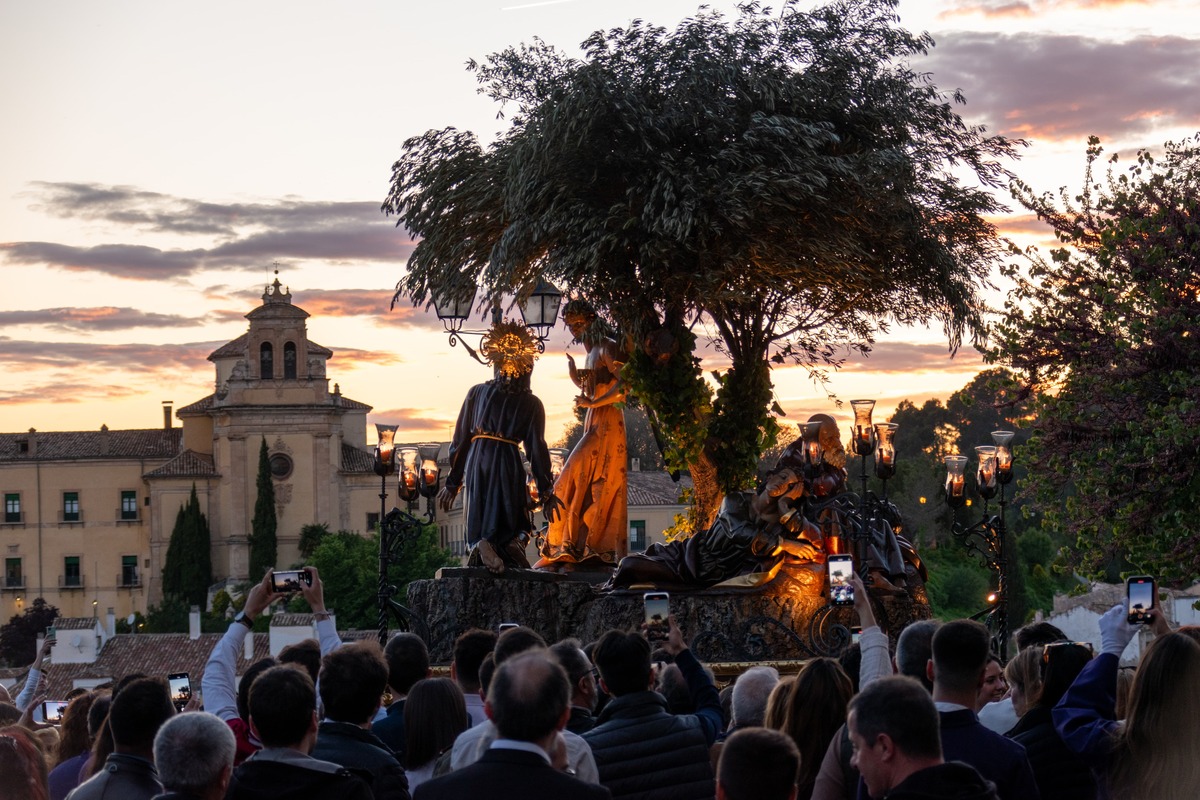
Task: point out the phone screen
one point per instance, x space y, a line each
52 711
1141 593
841 591
288 580
181 689
506 626
658 608
855 634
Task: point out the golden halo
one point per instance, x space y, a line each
510 346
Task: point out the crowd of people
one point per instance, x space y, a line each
622 717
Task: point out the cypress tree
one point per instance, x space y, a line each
262 527
187 571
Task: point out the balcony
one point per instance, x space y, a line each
127 515
70 517
14 582
129 580
12 518
68 582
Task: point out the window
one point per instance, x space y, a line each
637 535
266 361
372 521
70 506
12 507
71 576
129 508
280 466
129 576
289 360
13 577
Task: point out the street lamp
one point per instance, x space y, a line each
539 311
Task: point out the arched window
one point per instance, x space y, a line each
289 360
266 361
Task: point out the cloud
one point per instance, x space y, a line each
900 357
99 318
60 392
371 304
1064 87
414 422
1002 9
239 235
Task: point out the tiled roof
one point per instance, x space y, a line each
188 464
356 460
654 488
238 349
72 445
288 620
354 405
198 407
75 623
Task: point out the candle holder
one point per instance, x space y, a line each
956 481
986 483
814 451
863 432
1004 457
885 451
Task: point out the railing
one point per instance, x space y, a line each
70 581
13 518
14 582
127 515
125 581
70 517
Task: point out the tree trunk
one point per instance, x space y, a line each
706 494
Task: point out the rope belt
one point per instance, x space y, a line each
495 438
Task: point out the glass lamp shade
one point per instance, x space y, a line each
814 452
430 472
863 443
986 477
956 482
453 309
885 450
410 462
540 310
1004 459
385 450
558 457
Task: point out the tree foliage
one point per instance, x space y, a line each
18 639
187 571
262 526
1107 329
786 179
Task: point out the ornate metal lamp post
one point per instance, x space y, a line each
539 311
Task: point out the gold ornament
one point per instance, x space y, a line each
510 346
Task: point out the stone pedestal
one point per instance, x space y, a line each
789 618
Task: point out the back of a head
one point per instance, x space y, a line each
22 766
514 641
1024 674
528 697
816 710
75 736
750 693
470 648
960 654
282 704
248 677
137 713
1036 634
434 715
777 703
353 678
191 751
306 654
1156 752
569 654
758 764
407 661
9 714
624 662
914 648
1060 664
901 708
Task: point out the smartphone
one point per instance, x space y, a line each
51 631
506 626
855 634
181 689
1140 592
288 580
52 711
841 591
658 609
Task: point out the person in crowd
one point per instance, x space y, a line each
223 694
757 764
636 729
22 766
994 687
1023 674
777 703
815 711
750 694
960 654
1001 716
138 710
36 676
470 648
283 717
528 701
194 754
306 653
434 716
1125 675
1059 772
474 742
102 746
1152 753
74 746
894 728
353 678
97 725
670 683
580 672
407 662
9 714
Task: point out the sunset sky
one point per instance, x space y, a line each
157 158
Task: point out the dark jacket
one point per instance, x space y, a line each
999 760
581 720
509 775
953 780
261 779
361 752
1059 773
390 729
124 777
1085 716
642 749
